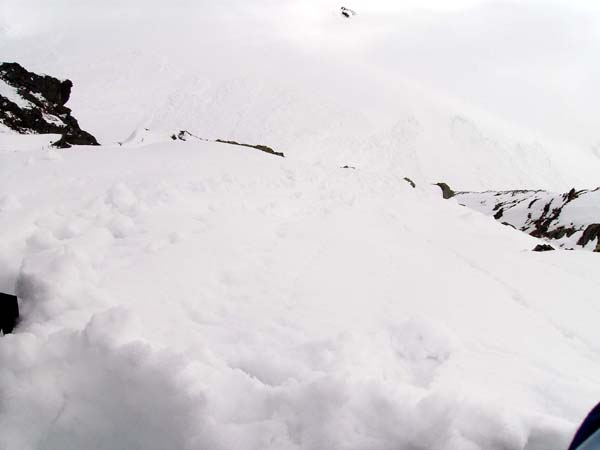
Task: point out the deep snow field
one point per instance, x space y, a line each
197 295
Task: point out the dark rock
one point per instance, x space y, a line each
47 113
348 167
411 182
543 248
446 191
54 91
184 135
9 313
75 138
262 148
347 12
591 232
561 232
572 195
499 214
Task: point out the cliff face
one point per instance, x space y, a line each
35 104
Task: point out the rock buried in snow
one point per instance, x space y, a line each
543 248
447 192
184 135
347 12
35 104
9 313
262 148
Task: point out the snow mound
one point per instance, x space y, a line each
96 389
200 295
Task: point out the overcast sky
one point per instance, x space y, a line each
533 62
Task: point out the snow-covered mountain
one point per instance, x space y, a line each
195 294
293 76
570 220
34 104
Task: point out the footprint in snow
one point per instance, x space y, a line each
423 347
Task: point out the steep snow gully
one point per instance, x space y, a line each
194 293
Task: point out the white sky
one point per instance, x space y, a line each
533 62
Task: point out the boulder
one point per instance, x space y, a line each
543 248
447 192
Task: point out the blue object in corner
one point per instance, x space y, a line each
588 435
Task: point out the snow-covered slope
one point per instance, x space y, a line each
198 295
201 295
294 75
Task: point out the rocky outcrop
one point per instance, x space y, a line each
591 233
572 219
184 135
447 192
35 104
262 148
543 248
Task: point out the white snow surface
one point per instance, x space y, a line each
12 94
201 295
196 295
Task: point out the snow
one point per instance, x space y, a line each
263 75
585 209
11 93
197 295
10 141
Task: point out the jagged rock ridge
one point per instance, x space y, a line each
572 219
35 104
183 135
